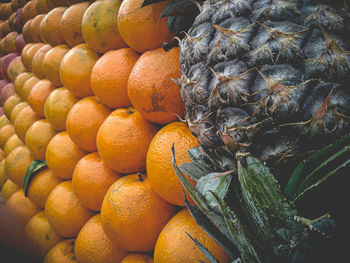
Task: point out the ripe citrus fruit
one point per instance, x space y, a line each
38 95
29 10
92 245
124 150
28 54
20 80
159 167
175 246
75 70
40 235
5 133
12 143
57 106
99 26
71 23
133 214
20 106
8 189
27 86
35 28
37 61
17 163
142 28
41 185
151 86
62 154
24 119
42 7
51 63
109 77
38 136
62 252
9 104
137 258
83 121
15 68
3 121
91 180
50 27
21 207
64 211
27 32
3 177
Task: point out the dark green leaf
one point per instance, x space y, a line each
202 160
178 8
192 171
171 23
33 168
209 256
149 2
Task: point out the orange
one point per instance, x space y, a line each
8 189
51 63
42 7
15 68
21 207
109 77
3 121
41 186
124 150
50 27
20 106
91 180
83 121
24 119
9 104
137 258
142 28
40 235
35 28
92 245
5 133
3 177
133 214
28 54
75 70
65 212
63 252
62 154
71 23
27 32
57 106
37 61
99 26
17 163
175 246
27 87
159 167
2 155
38 137
20 80
38 95
29 10
12 143
151 86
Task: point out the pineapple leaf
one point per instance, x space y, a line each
150 2
209 256
33 168
192 171
202 160
178 8
310 163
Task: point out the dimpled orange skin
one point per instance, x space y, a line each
51 64
92 245
17 163
35 28
26 32
151 88
109 77
62 154
159 167
75 70
124 150
24 119
137 258
38 136
41 185
175 246
50 27
27 86
40 235
20 80
133 214
142 28
5 133
28 54
20 106
91 180
12 143
9 104
8 189
65 212
37 60
57 106
62 252
38 95
83 121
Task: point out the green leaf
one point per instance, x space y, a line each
202 160
214 183
192 171
33 168
209 256
178 8
150 2
309 164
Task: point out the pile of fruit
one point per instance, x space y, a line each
90 111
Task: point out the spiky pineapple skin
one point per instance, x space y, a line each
270 77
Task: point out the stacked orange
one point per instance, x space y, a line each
95 98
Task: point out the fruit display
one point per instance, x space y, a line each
172 131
